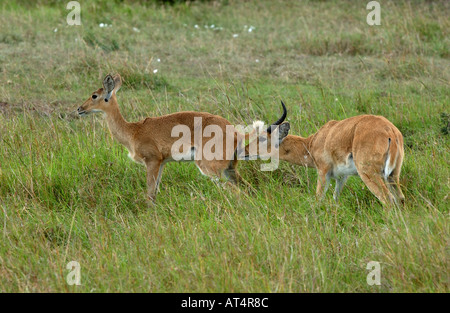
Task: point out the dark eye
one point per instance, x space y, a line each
94 96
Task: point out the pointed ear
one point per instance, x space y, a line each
108 87
283 131
108 84
117 82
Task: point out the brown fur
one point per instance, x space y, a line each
363 139
149 141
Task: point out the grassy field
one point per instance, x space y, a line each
68 192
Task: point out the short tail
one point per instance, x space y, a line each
390 154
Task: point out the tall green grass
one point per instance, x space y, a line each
68 192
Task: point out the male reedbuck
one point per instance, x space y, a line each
369 146
151 141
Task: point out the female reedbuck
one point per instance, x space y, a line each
367 145
152 141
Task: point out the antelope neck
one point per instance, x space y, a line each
118 126
299 152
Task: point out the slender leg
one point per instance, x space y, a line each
154 170
233 176
205 168
158 181
394 186
377 186
323 182
393 181
215 170
235 180
340 182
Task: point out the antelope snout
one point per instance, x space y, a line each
80 110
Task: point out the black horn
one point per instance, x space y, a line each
281 120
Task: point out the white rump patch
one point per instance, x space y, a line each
387 169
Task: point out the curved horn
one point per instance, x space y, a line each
281 120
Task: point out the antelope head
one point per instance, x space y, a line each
99 101
266 139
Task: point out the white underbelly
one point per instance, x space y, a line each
182 157
345 169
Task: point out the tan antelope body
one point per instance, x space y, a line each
150 141
368 146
